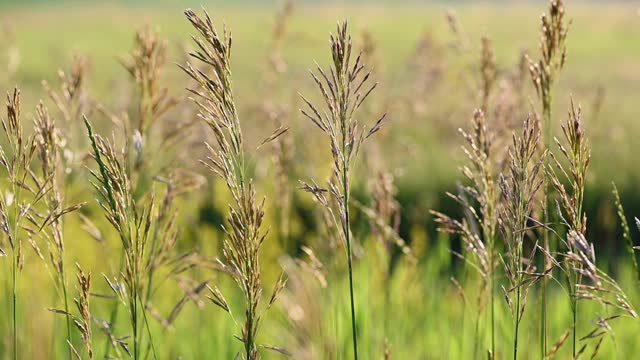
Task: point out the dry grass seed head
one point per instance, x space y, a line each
384 215
70 98
577 155
553 50
522 181
344 87
20 210
519 186
488 71
145 64
478 200
83 323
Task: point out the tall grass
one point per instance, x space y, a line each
519 218
47 140
479 201
626 232
16 161
544 73
519 187
344 89
244 236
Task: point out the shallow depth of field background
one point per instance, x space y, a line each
429 82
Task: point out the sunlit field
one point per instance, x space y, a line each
478 202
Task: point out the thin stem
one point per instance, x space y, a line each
543 319
63 279
492 296
18 191
345 185
134 323
574 310
15 302
515 340
387 305
522 224
113 317
149 288
249 340
353 312
148 328
476 333
547 185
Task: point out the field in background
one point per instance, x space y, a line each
420 144
600 40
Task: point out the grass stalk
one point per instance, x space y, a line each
244 236
14 284
65 297
544 72
344 91
626 232
519 186
354 333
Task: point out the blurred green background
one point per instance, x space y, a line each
429 80
602 71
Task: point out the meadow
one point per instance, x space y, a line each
463 208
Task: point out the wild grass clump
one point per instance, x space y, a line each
516 224
31 205
133 225
579 253
141 184
148 233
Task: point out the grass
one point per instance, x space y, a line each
544 74
244 236
166 238
590 48
345 91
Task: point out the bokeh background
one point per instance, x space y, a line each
426 57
